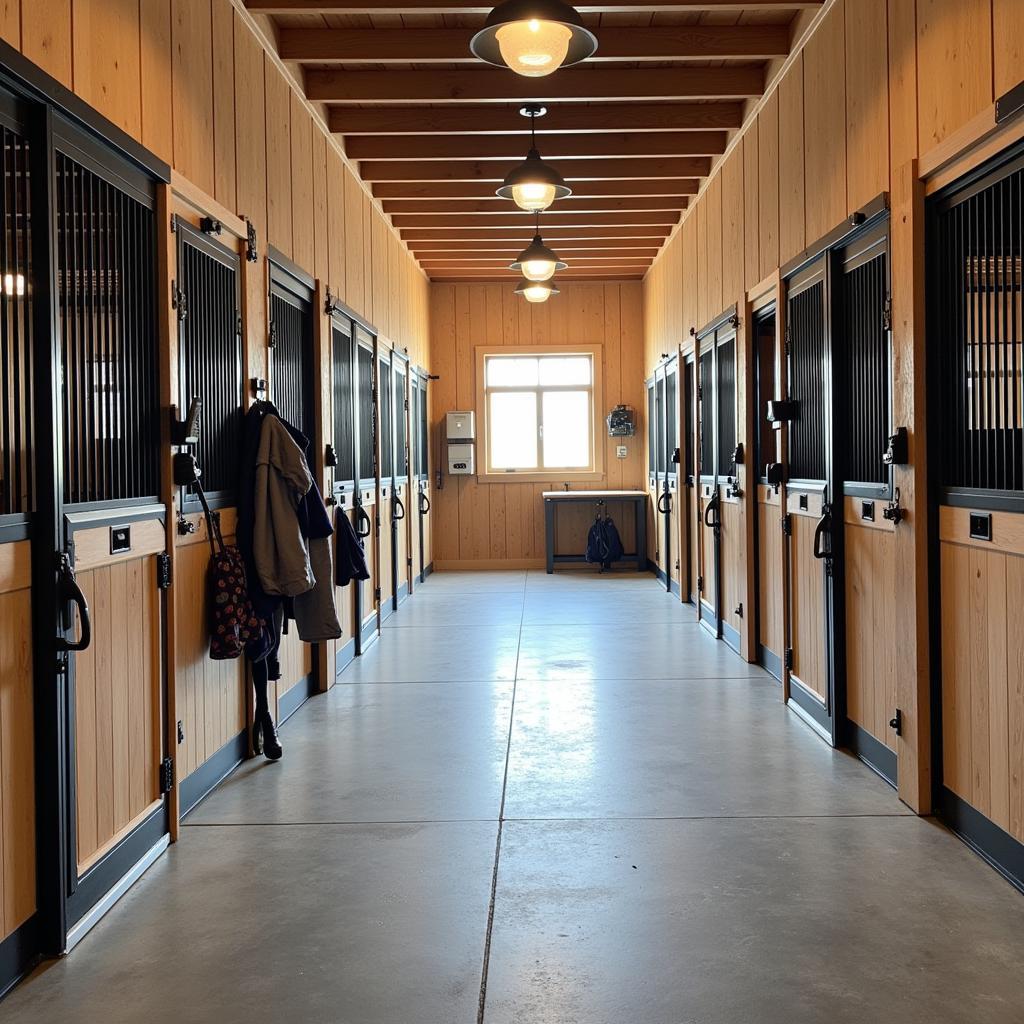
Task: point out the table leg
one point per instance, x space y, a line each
640 512
549 534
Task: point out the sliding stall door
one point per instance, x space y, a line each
386 527
708 503
812 524
420 468
731 538
976 325
366 498
401 500
688 488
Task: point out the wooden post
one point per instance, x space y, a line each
782 391
323 660
746 474
913 678
168 342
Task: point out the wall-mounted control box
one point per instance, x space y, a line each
461 426
461 461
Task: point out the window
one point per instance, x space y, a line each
539 412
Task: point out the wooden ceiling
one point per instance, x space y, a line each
433 131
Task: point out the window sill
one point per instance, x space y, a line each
538 478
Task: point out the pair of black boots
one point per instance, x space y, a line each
264 737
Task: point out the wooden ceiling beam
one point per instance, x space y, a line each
524 232
570 117
457 207
572 170
498 85
596 189
499 266
508 253
475 246
499 278
552 147
550 219
451 45
475 7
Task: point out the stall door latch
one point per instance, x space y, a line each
163 571
166 775
896 722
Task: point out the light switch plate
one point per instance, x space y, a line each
620 451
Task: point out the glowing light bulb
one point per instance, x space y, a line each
533 196
534 48
14 284
536 292
538 270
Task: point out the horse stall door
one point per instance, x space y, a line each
708 507
210 695
975 244
420 472
344 435
291 381
386 525
862 331
367 519
807 501
654 534
768 534
113 526
730 511
17 504
688 489
401 499
673 550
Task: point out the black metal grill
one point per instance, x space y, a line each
864 293
16 478
106 261
401 430
707 415
291 328
807 340
652 430
671 419
367 463
976 328
210 353
726 405
659 416
687 415
387 468
344 421
765 435
423 438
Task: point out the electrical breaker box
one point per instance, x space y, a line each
461 461
461 426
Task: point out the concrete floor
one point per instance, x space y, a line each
550 800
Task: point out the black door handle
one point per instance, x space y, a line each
664 506
71 592
823 529
397 509
424 504
711 512
361 518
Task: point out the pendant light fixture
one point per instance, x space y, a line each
537 261
533 185
533 37
537 291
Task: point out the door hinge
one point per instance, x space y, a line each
238 324
272 334
166 775
787 525
408 563
789 340
788 658
179 301
887 314
252 253
739 610
896 722
376 593
163 571
700 392
700 584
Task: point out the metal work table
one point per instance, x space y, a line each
638 499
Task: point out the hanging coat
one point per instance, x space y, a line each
350 556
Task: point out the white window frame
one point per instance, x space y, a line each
595 471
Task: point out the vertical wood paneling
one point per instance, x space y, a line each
10 22
250 128
867 101
954 65
302 184
156 73
46 36
1008 43
224 103
191 31
336 222
903 120
768 185
792 236
751 210
279 159
825 125
713 259
733 245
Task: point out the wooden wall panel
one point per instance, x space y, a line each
321 220
224 103
192 77
733 243
336 222
302 184
867 101
156 73
1008 43
825 126
279 159
250 128
484 522
10 22
703 270
46 36
954 67
768 185
792 234
751 211
688 233
355 265
713 259
17 765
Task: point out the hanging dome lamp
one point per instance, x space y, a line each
537 262
533 37
533 185
537 291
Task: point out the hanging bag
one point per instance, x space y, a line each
233 622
